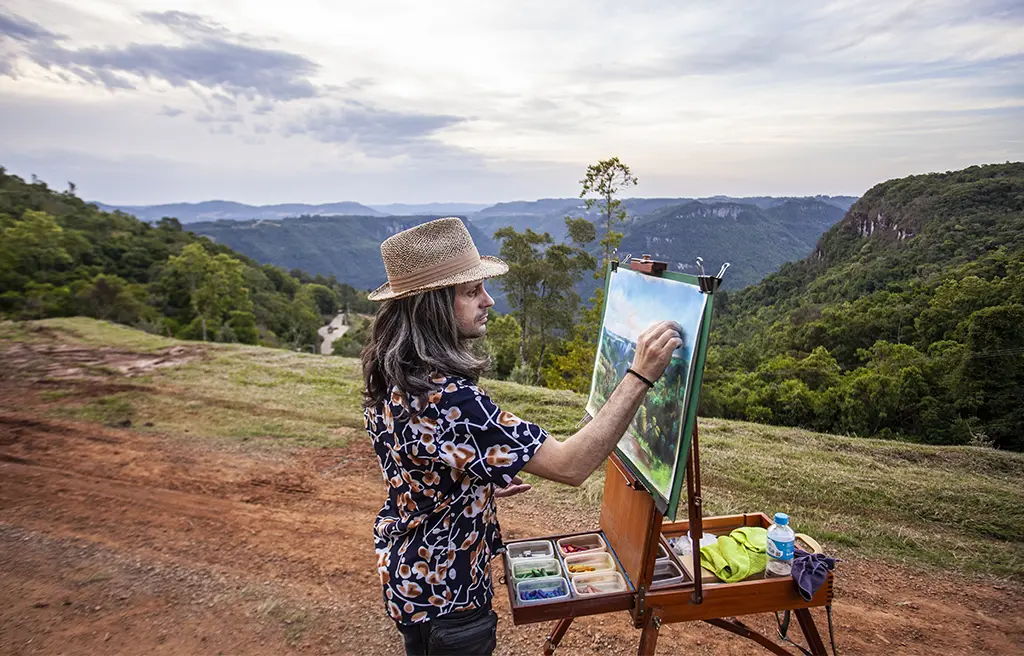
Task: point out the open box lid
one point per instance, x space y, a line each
631 522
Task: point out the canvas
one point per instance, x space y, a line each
658 435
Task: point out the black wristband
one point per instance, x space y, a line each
646 380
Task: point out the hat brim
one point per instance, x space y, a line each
489 267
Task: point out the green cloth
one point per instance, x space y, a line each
754 538
738 555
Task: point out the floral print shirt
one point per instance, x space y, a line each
438 530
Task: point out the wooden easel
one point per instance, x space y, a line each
633 528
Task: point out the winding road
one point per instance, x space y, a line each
327 335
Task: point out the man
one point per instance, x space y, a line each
446 450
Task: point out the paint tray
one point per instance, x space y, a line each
666 573
531 549
601 561
586 542
555 584
524 569
597 583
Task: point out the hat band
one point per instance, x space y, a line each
435 272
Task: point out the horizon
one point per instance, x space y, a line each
147 102
449 202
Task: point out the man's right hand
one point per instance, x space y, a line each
654 348
573 460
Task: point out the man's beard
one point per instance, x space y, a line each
478 329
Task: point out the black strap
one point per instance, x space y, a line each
783 623
784 629
643 378
831 633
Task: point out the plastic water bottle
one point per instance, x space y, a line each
780 547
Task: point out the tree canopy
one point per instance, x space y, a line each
60 256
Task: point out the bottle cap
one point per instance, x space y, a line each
782 519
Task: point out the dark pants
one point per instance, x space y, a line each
465 633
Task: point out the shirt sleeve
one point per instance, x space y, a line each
476 436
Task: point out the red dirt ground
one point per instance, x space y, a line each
119 542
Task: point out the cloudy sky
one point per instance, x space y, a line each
141 101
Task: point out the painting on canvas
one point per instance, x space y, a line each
635 301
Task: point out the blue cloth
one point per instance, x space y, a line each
810 571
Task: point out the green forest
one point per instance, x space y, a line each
906 322
60 256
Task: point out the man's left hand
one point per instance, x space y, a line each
517 486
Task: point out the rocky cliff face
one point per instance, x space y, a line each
871 217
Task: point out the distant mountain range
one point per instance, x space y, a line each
549 208
755 241
225 210
347 246
756 235
548 214
404 209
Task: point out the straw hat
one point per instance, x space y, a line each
430 256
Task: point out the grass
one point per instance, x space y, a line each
113 410
956 508
233 392
86 331
291 618
247 392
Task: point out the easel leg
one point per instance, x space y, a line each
649 636
556 635
814 642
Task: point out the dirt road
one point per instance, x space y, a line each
119 542
332 331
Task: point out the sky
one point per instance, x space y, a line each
380 101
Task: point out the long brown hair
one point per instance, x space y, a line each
412 340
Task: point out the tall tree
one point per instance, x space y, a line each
557 300
31 246
522 252
601 185
214 285
540 288
603 182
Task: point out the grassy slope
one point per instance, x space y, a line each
947 507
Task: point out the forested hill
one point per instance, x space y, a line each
60 256
906 320
548 214
755 241
347 247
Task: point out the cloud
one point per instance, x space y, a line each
186 24
17 30
376 131
219 118
855 41
210 57
20 29
234 68
153 178
728 97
